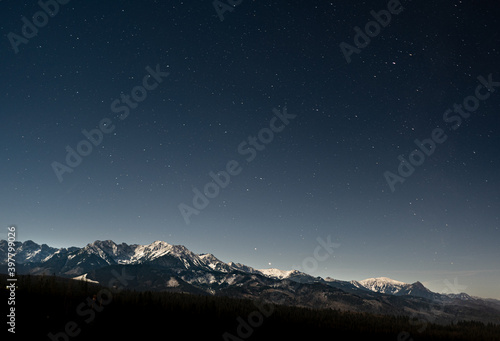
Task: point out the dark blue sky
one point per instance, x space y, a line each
320 175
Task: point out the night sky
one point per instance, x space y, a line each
306 132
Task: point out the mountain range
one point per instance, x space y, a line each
160 266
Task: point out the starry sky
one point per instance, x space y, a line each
170 92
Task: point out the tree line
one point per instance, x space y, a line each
46 304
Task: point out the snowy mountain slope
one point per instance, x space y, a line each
390 286
214 263
277 273
382 284
85 279
26 252
180 263
160 266
242 267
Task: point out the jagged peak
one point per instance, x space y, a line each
419 285
101 243
330 279
207 255
160 242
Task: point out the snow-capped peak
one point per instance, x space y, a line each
277 273
382 280
242 267
212 262
148 252
160 244
382 284
27 251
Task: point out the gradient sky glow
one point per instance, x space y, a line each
322 175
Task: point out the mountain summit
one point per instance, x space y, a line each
161 266
383 285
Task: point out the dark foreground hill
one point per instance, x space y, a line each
66 309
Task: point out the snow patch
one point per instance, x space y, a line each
85 279
172 283
383 285
276 273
